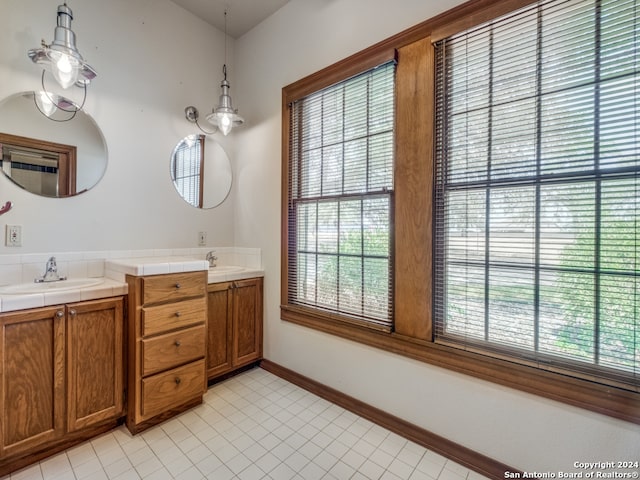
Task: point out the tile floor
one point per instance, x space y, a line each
250 427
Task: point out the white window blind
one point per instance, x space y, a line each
538 188
340 196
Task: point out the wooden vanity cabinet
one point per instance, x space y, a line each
235 325
61 377
166 346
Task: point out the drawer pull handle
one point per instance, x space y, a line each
177 285
178 314
177 380
177 343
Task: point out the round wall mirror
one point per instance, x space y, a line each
45 155
201 171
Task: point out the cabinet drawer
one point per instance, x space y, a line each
171 349
163 318
176 286
172 388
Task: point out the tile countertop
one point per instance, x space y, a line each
238 273
114 283
107 288
119 268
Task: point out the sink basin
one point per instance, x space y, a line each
225 269
62 285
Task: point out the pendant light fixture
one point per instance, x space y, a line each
224 117
63 59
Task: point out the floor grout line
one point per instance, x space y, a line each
254 426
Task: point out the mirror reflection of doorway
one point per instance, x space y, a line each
39 166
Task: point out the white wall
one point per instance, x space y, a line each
153 59
521 430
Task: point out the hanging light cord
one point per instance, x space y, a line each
224 67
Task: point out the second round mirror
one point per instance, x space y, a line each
201 171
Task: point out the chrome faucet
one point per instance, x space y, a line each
211 258
50 273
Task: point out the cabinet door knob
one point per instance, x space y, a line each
72 312
178 314
177 285
177 380
59 314
177 343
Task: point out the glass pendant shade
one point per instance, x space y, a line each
62 57
45 103
64 67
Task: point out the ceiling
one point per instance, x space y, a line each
242 15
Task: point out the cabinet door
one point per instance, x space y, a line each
247 321
94 362
219 329
32 379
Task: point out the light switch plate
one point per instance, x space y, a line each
13 236
202 239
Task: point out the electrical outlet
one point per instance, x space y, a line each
13 236
202 239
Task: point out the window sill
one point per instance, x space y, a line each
298 314
603 399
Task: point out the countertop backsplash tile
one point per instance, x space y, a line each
16 268
106 265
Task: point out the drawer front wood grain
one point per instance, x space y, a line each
172 287
171 316
173 349
172 388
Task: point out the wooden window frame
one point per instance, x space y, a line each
315 83
412 335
